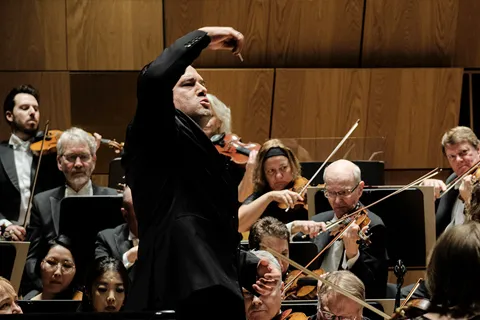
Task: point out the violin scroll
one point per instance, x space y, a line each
230 145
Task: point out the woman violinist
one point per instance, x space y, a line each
452 275
276 171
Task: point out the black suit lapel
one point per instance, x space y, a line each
55 200
121 241
8 160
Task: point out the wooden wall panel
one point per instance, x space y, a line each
248 93
113 35
467 49
32 35
54 89
412 108
315 33
409 33
409 108
323 104
104 103
250 17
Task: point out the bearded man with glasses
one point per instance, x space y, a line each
76 159
343 189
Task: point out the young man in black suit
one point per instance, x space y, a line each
185 201
343 189
18 163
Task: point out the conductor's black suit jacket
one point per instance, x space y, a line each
185 201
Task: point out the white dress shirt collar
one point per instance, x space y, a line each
87 190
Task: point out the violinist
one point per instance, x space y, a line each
452 274
343 189
275 173
18 163
270 232
334 305
462 148
265 306
221 122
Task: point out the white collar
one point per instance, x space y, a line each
18 143
86 190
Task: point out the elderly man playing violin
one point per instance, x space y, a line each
462 148
343 189
184 202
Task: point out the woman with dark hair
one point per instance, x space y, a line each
452 273
57 271
106 286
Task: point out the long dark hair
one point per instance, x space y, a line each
65 242
454 292
98 268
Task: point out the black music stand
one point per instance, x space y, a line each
82 218
404 216
49 306
373 172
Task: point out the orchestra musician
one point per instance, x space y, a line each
76 159
275 173
185 206
121 242
334 305
343 189
453 293
221 122
461 147
8 298
18 163
269 232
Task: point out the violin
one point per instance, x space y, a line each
362 220
301 292
298 187
413 309
51 139
230 145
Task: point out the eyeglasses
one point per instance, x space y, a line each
66 266
342 194
327 315
330 316
73 157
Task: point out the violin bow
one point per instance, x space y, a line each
328 283
357 212
459 178
410 294
32 192
411 184
328 158
338 236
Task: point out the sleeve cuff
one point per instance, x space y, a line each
5 222
289 227
348 264
125 261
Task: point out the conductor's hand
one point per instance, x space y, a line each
224 38
439 186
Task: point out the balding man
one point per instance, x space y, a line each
343 189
